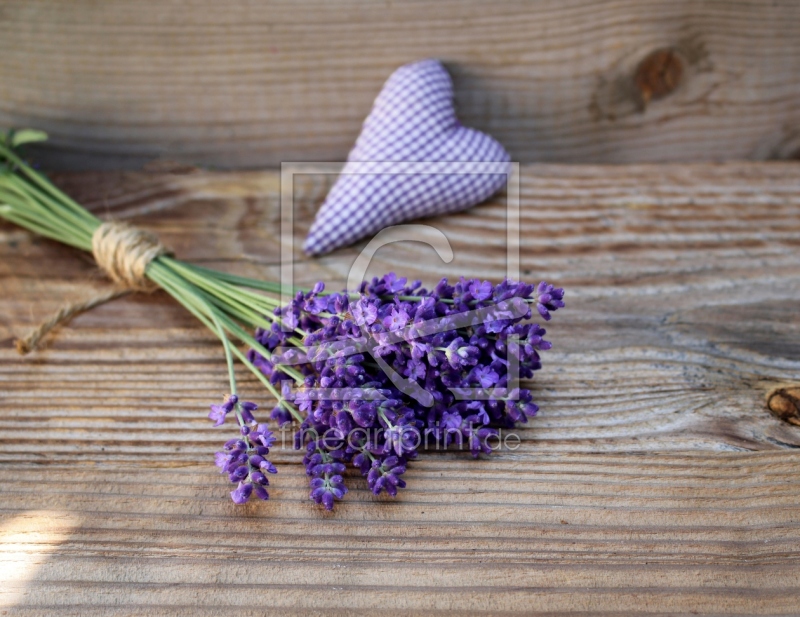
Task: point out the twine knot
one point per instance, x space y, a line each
123 252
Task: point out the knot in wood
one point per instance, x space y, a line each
658 74
784 403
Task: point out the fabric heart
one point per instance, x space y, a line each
412 121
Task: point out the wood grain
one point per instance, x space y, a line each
655 479
252 84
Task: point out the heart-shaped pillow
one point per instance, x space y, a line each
412 121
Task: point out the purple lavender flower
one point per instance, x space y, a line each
480 291
384 475
521 406
244 460
246 409
548 299
365 312
363 412
325 469
325 489
396 320
485 376
218 412
242 493
316 305
449 430
378 437
459 354
400 439
392 284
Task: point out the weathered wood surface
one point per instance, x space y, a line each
251 84
655 479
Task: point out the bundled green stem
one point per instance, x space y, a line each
230 306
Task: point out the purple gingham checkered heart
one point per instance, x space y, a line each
412 121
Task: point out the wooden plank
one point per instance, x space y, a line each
655 479
668 534
232 84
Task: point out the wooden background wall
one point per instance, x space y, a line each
253 83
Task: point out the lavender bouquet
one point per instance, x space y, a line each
367 377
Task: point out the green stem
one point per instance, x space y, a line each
197 306
42 182
228 323
232 296
226 345
223 302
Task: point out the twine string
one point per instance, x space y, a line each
123 253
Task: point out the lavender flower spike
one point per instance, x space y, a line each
244 458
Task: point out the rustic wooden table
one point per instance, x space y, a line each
655 479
